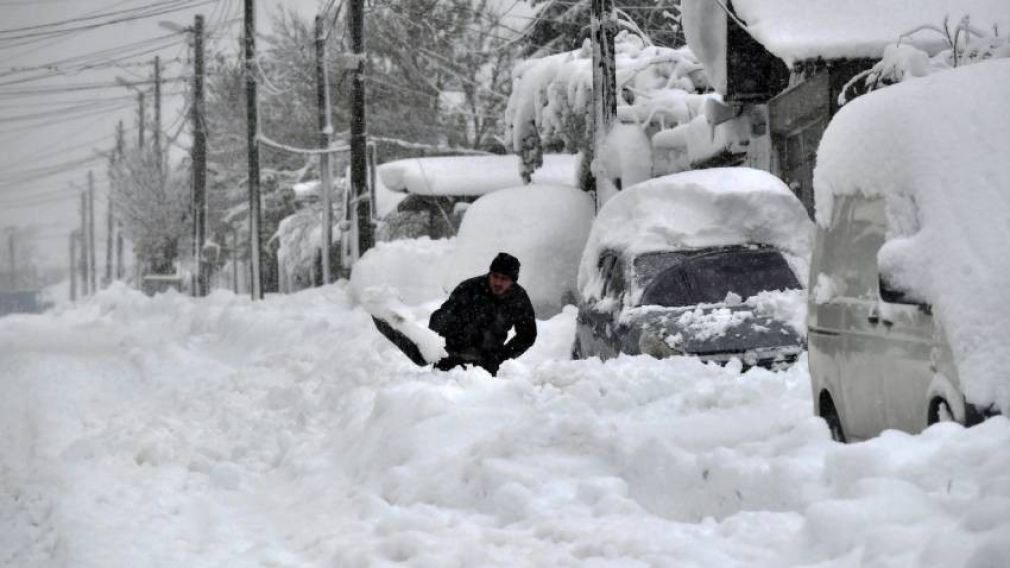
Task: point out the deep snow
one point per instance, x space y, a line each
220 432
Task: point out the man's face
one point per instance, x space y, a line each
499 283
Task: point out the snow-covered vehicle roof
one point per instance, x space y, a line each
936 148
471 175
698 209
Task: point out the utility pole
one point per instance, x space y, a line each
140 121
325 133
157 119
234 260
359 161
92 267
120 269
84 244
74 235
110 227
12 245
256 284
603 29
199 159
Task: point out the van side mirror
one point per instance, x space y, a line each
892 295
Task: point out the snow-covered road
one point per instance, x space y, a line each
219 432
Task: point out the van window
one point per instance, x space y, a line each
847 250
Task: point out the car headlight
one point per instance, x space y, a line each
651 344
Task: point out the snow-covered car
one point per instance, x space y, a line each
908 315
706 263
544 226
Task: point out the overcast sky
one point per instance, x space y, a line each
45 127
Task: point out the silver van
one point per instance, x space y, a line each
877 360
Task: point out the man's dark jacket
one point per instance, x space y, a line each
475 323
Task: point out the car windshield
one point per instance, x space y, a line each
708 276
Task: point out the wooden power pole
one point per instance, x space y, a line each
325 134
157 120
359 159
252 133
74 236
603 29
92 265
84 243
199 159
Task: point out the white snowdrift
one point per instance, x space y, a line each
287 432
544 226
695 209
470 175
415 268
936 149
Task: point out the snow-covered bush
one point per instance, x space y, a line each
903 61
551 100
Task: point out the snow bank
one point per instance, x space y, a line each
544 226
701 208
170 432
936 148
839 29
414 268
470 175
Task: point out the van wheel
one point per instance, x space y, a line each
939 411
830 415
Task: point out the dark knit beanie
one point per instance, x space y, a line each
506 264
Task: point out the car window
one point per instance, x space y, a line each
612 271
708 278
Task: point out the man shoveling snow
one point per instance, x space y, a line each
473 323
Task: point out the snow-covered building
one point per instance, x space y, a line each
784 67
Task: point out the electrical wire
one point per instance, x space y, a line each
176 7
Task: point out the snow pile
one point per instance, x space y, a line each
170 431
705 323
936 149
415 268
544 226
470 175
695 209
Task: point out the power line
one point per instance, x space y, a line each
187 4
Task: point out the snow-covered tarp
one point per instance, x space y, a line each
544 226
832 29
936 148
696 209
470 175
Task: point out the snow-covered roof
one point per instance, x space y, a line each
798 30
937 149
805 29
471 175
695 209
